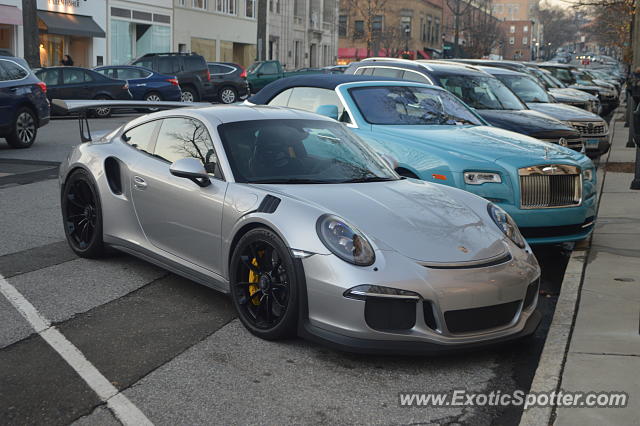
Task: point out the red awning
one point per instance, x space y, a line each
10 15
382 53
362 53
424 54
346 52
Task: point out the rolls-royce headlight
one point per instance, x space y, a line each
506 224
587 174
345 241
478 178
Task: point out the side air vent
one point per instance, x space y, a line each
269 204
112 170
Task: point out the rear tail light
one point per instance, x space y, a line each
243 74
42 86
208 76
173 81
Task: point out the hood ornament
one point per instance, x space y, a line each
563 142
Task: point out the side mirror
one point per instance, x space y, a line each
390 160
192 169
330 111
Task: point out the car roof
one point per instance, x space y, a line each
499 71
219 114
323 81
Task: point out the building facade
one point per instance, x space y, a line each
75 28
521 14
219 30
136 28
519 40
11 27
301 33
408 28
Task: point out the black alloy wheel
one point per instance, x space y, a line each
264 285
82 215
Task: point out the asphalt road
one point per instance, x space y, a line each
175 348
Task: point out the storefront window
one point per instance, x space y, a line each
51 49
130 40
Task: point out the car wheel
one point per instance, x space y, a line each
264 285
25 129
189 95
82 215
153 97
228 95
102 112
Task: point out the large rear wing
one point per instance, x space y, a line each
83 107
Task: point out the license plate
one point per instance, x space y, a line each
593 142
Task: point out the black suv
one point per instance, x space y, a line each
190 69
228 82
491 99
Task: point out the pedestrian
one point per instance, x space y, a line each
66 61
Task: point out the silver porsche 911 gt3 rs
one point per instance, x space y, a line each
309 231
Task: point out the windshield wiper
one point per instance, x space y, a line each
369 179
292 181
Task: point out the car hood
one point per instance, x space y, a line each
478 143
523 121
563 112
423 221
572 93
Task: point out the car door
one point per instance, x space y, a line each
136 79
76 84
176 215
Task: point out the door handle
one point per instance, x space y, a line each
139 183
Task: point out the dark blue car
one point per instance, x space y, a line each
23 103
144 83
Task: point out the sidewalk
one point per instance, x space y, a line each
604 349
597 348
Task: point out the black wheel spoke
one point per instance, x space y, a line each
72 199
266 262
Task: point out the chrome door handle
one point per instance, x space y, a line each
139 183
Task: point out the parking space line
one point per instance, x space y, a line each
120 405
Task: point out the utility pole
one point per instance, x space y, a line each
30 33
262 42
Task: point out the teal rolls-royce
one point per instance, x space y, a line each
549 190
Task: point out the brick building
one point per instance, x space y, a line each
411 28
518 43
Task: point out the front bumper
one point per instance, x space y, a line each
346 323
597 146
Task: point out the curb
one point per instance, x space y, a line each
551 364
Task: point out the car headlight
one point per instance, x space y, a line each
345 241
587 174
478 178
506 224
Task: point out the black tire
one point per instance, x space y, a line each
25 129
264 285
189 94
102 112
82 215
227 95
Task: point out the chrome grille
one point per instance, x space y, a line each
574 144
549 186
595 128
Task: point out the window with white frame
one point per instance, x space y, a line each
525 40
512 40
228 7
525 29
512 29
250 8
200 4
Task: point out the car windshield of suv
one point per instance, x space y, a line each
564 75
481 92
299 152
583 78
526 88
552 81
401 105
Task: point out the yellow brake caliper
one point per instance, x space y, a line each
253 278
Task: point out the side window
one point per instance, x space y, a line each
310 98
49 77
131 73
388 72
87 76
183 138
11 71
72 76
147 63
194 63
282 99
168 64
140 137
216 69
414 76
364 71
108 72
269 68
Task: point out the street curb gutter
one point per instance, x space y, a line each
551 365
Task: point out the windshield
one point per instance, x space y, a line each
554 82
298 152
482 92
252 68
563 74
583 78
526 88
402 105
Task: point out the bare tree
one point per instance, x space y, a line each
367 11
558 27
484 31
459 9
30 33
